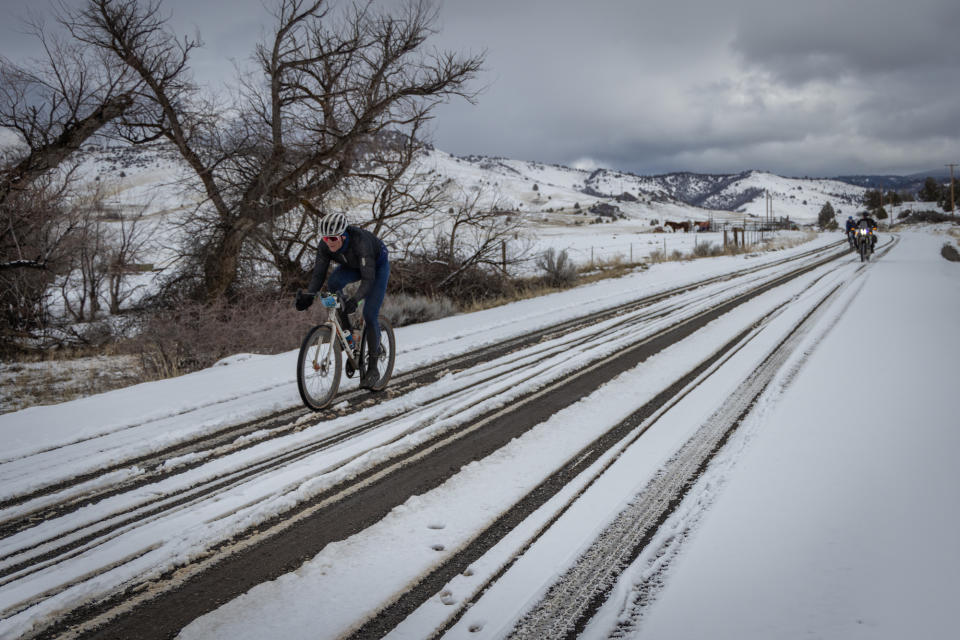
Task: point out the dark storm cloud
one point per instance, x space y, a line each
812 87
799 88
826 39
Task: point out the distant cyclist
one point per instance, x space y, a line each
866 222
359 255
851 225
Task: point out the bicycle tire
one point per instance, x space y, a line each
318 384
388 354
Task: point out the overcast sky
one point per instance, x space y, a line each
797 87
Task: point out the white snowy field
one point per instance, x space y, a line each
629 241
825 515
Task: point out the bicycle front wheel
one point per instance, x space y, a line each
318 367
385 360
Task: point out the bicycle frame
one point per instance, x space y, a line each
332 302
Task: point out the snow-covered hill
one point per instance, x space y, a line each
148 176
698 196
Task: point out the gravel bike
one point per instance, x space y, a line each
322 352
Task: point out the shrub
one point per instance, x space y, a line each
704 250
193 336
927 216
403 309
560 270
419 275
950 252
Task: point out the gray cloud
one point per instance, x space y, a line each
825 39
802 88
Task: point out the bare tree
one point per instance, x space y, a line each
287 244
35 237
82 286
54 104
403 191
332 76
401 194
478 232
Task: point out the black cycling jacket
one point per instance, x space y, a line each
361 250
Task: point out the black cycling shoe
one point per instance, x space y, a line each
372 375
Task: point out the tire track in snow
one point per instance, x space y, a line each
577 594
16 513
224 440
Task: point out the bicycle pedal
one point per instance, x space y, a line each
349 369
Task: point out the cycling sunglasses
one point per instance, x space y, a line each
330 238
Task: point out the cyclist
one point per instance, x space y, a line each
850 226
869 223
360 255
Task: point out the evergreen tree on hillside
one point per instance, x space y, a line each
932 191
827 217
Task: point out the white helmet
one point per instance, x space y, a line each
333 224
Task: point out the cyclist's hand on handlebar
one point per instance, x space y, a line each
303 301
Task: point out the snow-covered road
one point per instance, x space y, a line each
350 580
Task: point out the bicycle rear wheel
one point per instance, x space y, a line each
385 361
318 367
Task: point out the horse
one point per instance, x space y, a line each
676 226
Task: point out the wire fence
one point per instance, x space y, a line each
638 247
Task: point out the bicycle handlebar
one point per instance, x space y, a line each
329 300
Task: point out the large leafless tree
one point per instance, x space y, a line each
54 104
331 76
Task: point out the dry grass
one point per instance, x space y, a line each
538 286
49 381
711 250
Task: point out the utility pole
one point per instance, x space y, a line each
952 208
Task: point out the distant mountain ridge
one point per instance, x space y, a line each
911 183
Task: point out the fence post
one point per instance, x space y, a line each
503 255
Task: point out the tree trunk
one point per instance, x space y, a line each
223 259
